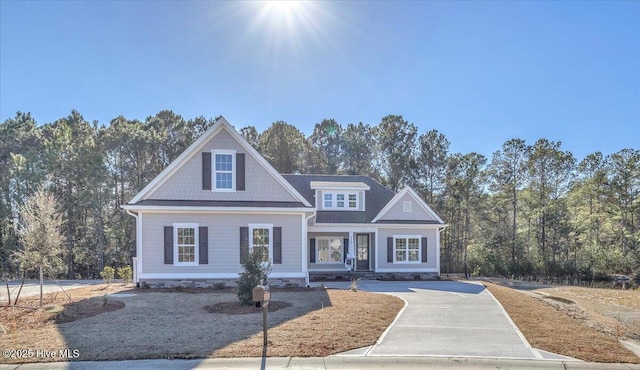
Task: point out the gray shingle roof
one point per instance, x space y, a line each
218 203
375 199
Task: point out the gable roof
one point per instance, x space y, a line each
407 191
375 198
194 148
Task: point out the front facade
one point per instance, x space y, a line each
220 199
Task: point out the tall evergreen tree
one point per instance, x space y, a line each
283 146
396 139
326 140
357 155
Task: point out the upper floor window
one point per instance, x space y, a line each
224 170
346 201
328 200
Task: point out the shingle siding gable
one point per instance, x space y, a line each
186 182
397 213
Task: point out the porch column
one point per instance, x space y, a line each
351 244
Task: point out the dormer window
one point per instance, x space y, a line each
328 200
335 200
340 196
353 200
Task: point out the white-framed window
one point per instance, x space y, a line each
185 244
224 170
260 239
329 249
407 248
353 200
328 200
343 201
406 206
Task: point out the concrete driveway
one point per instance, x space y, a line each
447 319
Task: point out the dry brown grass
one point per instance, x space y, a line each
550 329
612 311
352 320
59 308
157 324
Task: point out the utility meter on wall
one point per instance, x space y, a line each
348 264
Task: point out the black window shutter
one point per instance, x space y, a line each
312 250
206 171
277 245
244 244
168 245
240 183
424 249
390 249
345 245
203 241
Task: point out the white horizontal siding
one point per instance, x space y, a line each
224 242
186 182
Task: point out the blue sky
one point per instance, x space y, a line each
479 72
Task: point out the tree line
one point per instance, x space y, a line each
527 209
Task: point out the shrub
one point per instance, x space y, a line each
125 273
253 271
107 274
219 285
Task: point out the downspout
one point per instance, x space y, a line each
306 263
135 266
440 230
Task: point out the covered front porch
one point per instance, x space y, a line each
341 249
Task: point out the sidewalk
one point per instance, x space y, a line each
329 363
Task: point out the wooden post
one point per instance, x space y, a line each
8 293
41 283
265 308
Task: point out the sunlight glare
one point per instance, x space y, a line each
284 7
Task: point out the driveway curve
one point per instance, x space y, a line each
446 319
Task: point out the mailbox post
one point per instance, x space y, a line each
261 295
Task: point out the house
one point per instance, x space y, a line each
220 199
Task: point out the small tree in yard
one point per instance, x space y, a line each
108 273
41 235
254 270
125 273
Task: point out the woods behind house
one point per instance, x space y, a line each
526 209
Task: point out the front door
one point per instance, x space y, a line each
362 251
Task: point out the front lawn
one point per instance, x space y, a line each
180 324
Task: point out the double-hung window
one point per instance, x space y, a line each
353 200
224 170
407 249
328 200
260 241
329 250
185 244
